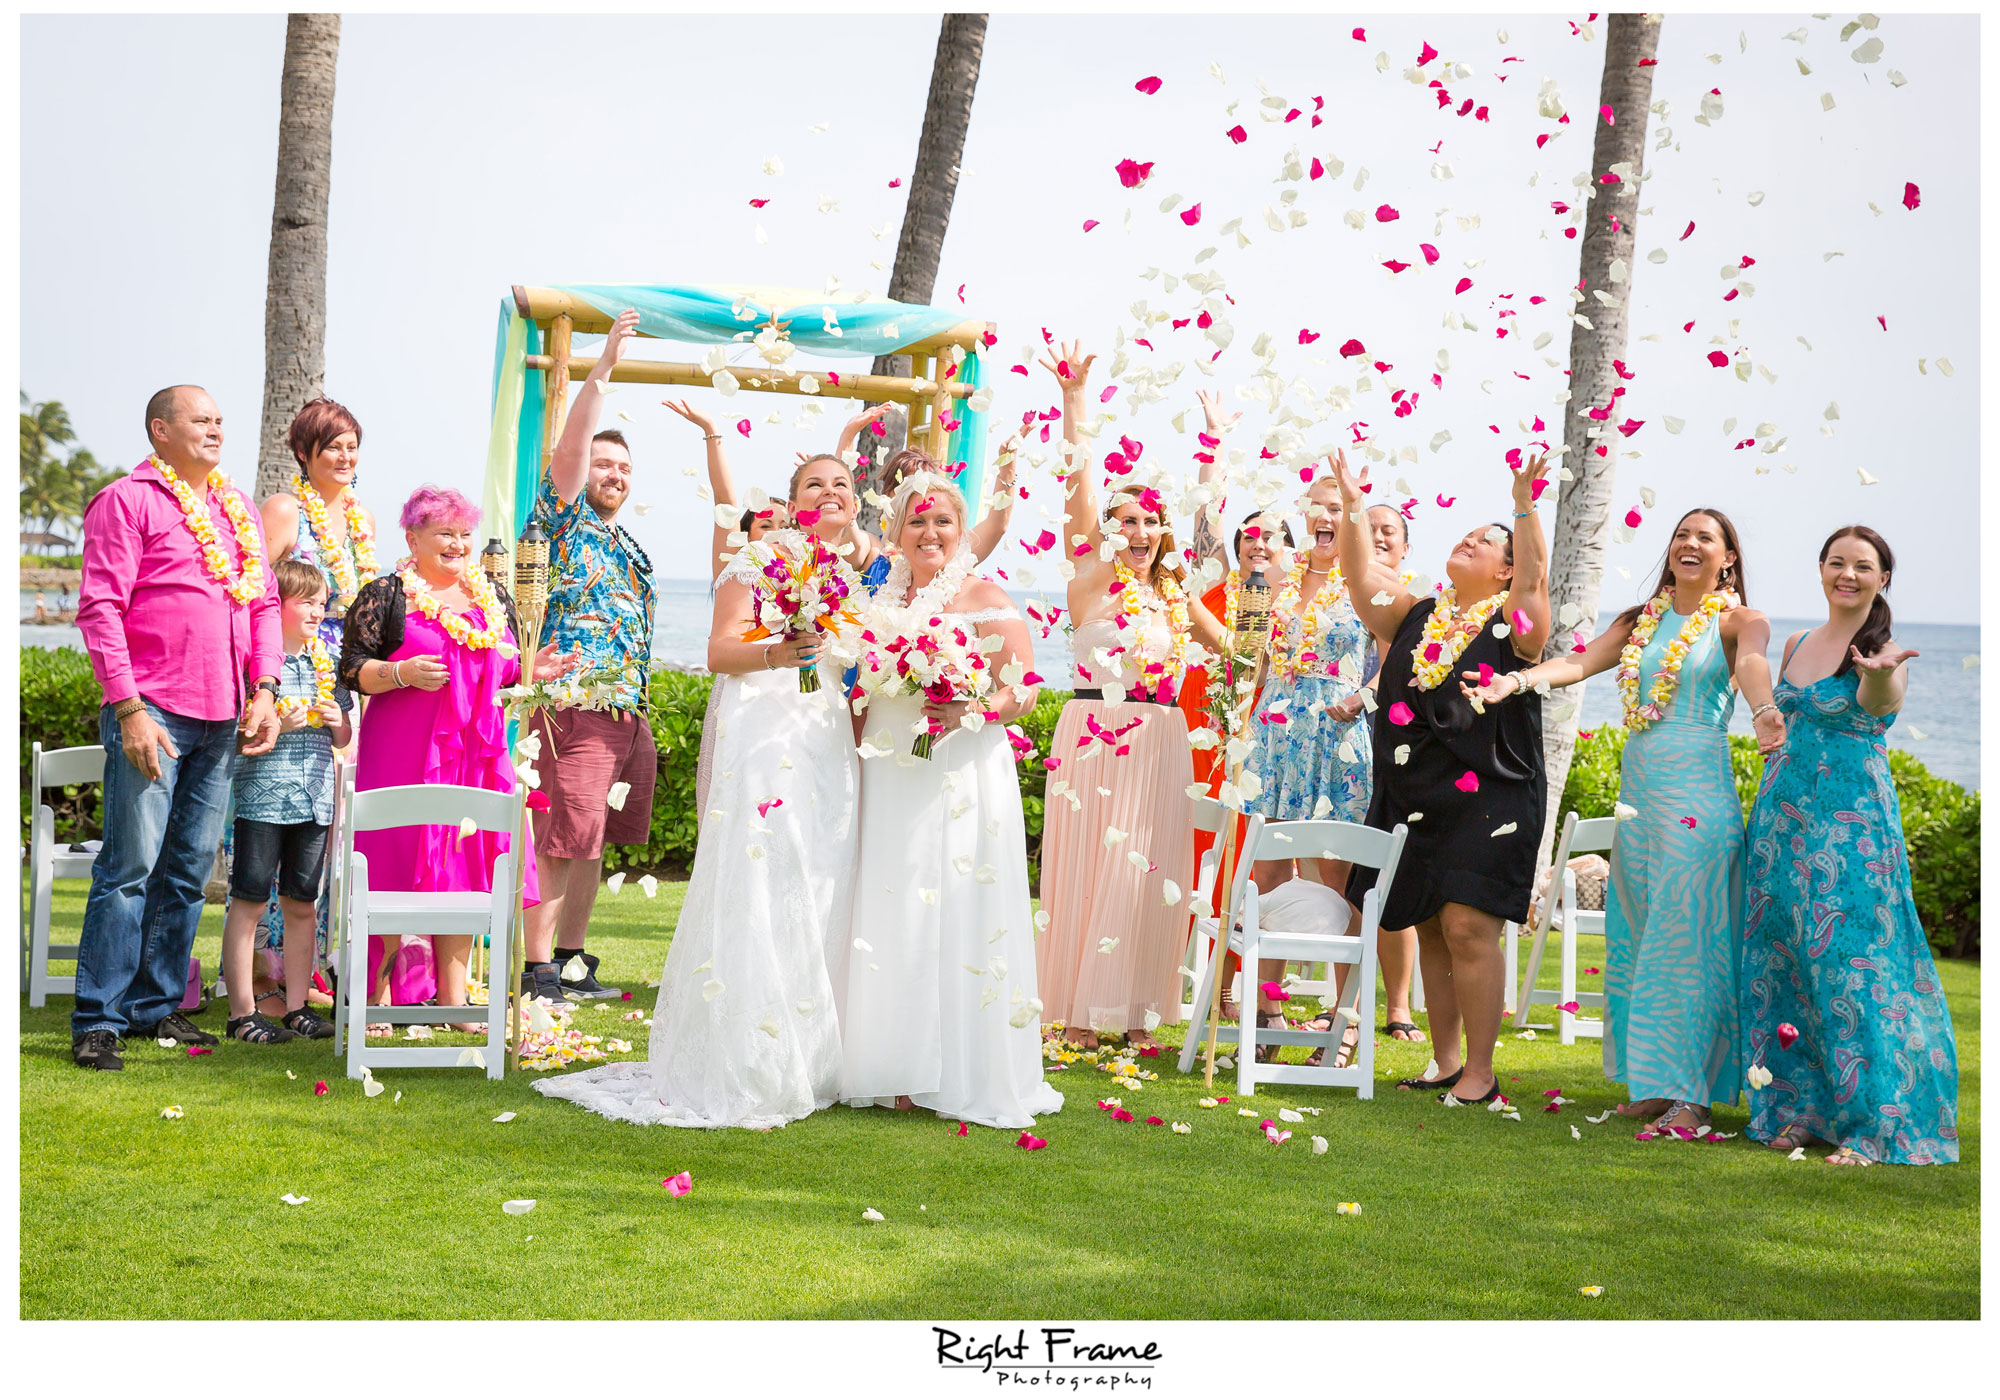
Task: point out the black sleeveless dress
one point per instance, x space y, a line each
1451 854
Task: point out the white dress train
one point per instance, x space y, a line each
941 1002
747 1033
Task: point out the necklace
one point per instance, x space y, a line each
1128 588
480 589
1292 662
245 582
1447 633
322 664
345 564
1668 678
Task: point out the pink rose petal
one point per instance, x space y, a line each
1911 199
1149 86
1400 713
678 1186
1468 783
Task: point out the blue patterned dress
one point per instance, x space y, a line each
1298 743
1674 909
1833 945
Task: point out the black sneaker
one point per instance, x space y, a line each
97 1050
542 982
179 1028
587 986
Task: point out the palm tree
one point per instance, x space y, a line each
47 485
1583 508
947 113
295 290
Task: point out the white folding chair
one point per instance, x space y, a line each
391 913
1559 909
1326 840
1208 815
50 860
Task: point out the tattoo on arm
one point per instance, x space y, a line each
1206 545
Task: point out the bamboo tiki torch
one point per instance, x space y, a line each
493 562
1250 643
531 602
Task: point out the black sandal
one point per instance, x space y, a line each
308 1024
1347 1050
1270 1021
1414 1036
1419 1082
1487 1097
255 1029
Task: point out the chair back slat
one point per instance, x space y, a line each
435 804
66 767
1323 840
1597 834
1208 813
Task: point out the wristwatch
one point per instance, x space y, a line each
269 685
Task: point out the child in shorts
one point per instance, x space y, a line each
284 809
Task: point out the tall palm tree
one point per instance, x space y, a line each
1583 508
947 113
295 289
48 488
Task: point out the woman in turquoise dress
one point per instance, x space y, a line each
1674 909
1841 1007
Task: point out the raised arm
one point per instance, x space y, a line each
1085 530
1366 578
721 485
851 432
1530 592
569 468
1208 530
992 526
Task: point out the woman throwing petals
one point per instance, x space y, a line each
1117 826
1675 906
1468 781
1844 1016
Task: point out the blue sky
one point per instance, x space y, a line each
145 221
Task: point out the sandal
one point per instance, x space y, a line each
1451 1100
1350 1041
1795 1136
1270 1021
1848 1157
308 1024
1660 1128
254 1029
1404 1031
1419 1082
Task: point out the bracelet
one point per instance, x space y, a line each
125 709
1767 705
711 437
767 660
1524 514
396 674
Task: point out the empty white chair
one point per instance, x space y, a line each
1328 840
1559 910
50 860
392 913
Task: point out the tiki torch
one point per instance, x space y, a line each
531 602
1250 647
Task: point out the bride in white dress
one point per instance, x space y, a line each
747 1033
940 1009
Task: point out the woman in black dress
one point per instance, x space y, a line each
1469 784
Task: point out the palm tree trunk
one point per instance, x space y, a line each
947 113
295 290
1583 507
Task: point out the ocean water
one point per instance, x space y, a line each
1942 705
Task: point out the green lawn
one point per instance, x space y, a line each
125 1214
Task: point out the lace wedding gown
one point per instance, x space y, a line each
940 1001
747 1032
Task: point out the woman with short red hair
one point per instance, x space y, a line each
318 518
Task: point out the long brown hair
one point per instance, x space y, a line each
1731 577
1166 559
1874 633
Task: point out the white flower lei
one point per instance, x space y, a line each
1668 679
1451 632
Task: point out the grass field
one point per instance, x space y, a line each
125 1214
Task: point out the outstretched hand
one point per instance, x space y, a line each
1071 368
1211 407
692 414
1496 687
1350 485
622 330
1525 476
1887 659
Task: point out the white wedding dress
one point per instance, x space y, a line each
940 1001
747 1032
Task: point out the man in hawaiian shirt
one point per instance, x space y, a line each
597 766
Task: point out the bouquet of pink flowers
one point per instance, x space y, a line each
943 662
792 596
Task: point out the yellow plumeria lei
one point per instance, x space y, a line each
244 583
346 565
1291 662
480 588
1668 679
1169 592
1447 633
322 665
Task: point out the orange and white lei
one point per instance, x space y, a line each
244 583
322 665
480 589
1153 670
1447 633
1668 678
345 569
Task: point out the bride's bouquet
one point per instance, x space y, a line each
791 595
917 650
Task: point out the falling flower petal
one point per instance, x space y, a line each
1787 1033
517 1207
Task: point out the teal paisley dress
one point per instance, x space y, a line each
1673 912
1834 948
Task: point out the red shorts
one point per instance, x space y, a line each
584 752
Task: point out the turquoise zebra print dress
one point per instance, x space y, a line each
1834 947
1673 914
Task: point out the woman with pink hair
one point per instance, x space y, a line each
433 644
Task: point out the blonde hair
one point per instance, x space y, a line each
1167 559
922 485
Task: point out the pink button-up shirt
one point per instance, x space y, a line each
153 620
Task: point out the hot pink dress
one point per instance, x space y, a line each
454 734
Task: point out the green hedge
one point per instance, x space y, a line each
59 705
1940 827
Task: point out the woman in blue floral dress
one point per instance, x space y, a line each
1846 1028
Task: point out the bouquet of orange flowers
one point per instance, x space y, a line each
791 596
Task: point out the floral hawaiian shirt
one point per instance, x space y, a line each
600 595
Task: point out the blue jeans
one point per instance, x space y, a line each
145 889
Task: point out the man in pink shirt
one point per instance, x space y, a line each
181 655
